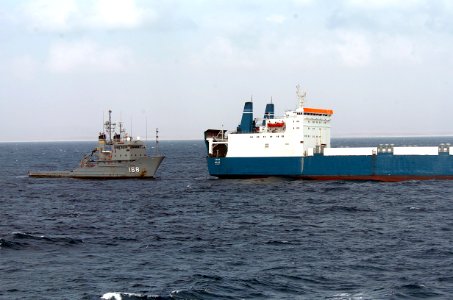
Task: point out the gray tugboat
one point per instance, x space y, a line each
116 156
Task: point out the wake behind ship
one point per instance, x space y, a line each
117 155
298 145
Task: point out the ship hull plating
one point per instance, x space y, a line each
145 167
381 167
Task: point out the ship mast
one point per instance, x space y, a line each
157 141
109 126
301 96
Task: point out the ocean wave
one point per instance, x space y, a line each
351 209
283 242
52 239
194 293
416 290
5 244
349 296
200 293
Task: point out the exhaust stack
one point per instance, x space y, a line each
246 125
268 113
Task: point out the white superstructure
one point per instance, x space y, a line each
290 135
296 133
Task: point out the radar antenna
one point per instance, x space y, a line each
301 96
109 126
157 141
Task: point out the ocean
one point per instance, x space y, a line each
185 235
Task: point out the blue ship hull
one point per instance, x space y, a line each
381 167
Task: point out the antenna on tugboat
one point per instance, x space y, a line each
157 140
110 126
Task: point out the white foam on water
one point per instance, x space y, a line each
348 296
118 296
111 296
28 234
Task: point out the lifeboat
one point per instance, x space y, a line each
276 124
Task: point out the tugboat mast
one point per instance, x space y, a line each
110 125
157 140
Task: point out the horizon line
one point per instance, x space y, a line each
201 139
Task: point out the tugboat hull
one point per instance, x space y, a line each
145 167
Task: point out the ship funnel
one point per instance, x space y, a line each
269 112
246 125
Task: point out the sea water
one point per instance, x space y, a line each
186 235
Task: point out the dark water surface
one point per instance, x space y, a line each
188 236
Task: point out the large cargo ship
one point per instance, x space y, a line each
298 145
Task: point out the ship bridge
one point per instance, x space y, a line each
297 133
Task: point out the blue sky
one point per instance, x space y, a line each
385 67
